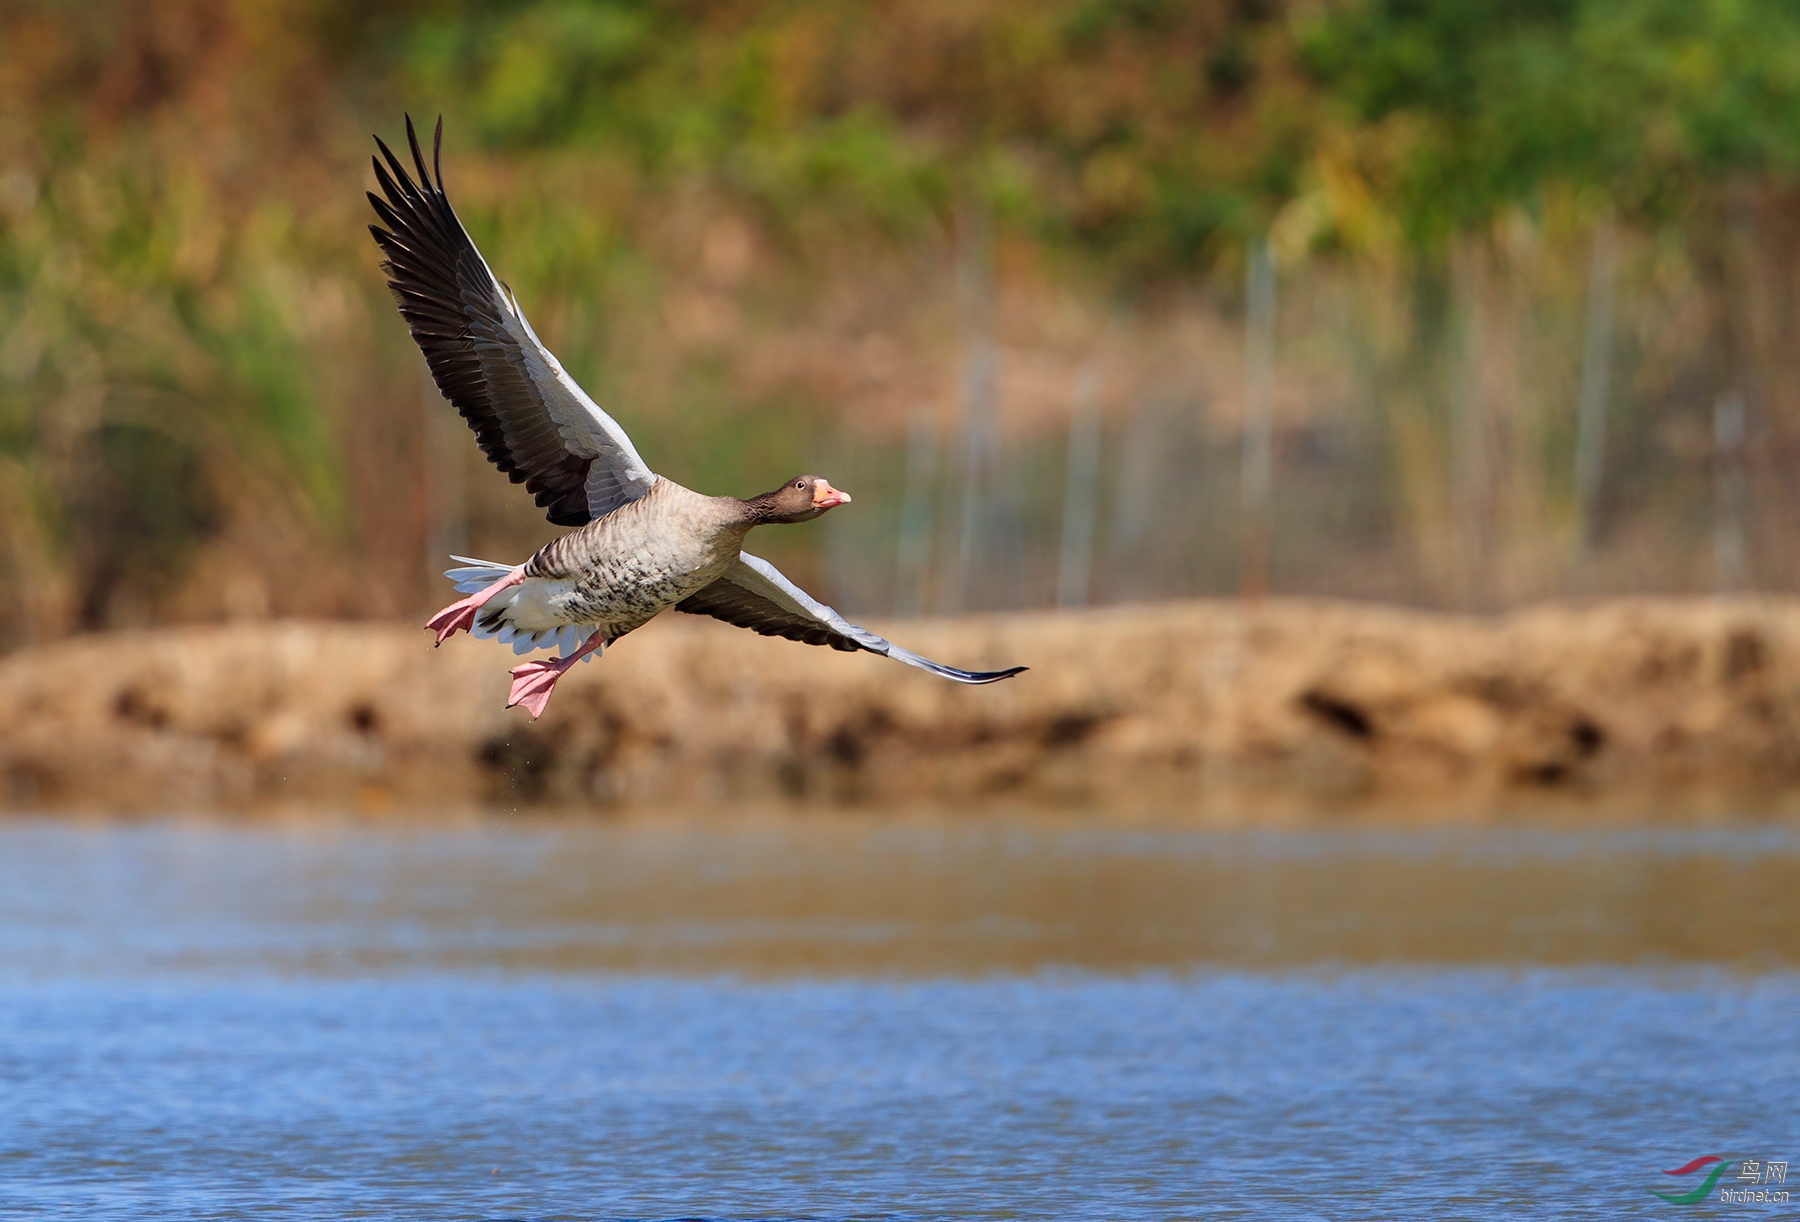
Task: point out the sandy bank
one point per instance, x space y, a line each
1214 708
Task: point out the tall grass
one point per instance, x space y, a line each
747 231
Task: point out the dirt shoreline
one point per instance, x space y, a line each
1222 712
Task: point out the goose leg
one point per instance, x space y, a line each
534 681
459 616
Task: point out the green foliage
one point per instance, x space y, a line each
182 254
1090 123
1465 107
1152 136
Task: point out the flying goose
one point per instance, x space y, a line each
644 542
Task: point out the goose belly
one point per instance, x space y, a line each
633 586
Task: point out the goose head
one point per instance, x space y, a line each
801 499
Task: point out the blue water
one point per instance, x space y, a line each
580 1021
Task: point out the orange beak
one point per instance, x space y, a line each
825 496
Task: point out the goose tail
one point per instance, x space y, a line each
516 616
473 576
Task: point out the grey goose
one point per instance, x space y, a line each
644 542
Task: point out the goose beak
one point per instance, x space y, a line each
825 496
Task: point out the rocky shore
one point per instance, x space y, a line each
1223 712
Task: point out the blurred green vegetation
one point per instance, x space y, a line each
207 406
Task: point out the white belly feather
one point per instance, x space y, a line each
533 615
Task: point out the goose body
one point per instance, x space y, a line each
643 543
620 570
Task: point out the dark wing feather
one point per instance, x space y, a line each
753 594
530 418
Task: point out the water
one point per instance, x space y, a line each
832 1019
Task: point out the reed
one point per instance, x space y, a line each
1533 334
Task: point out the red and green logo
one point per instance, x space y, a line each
1750 1186
1717 1162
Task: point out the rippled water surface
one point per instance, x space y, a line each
831 1019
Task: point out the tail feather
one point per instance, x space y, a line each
565 639
476 575
524 640
494 623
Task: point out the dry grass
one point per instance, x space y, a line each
1216 711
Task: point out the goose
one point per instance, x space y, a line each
643 542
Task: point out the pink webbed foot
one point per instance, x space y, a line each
532 684
459 616
534 681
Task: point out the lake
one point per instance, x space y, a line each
849 1018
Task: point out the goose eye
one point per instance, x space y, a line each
800 483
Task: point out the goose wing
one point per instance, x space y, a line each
753 594
530 418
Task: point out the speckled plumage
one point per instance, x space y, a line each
617 572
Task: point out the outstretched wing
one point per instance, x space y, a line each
753 594
530 418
